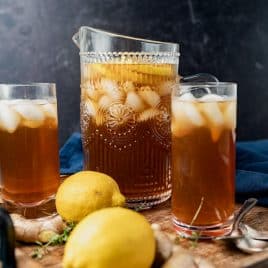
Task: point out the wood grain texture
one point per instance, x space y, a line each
220 253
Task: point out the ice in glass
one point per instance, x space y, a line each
29 162
203 157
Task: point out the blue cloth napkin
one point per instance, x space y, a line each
251 164
252 171
71 155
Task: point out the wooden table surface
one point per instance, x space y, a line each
219 253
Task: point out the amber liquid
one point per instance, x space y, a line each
203 169
29 163
128 135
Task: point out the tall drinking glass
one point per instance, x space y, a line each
126 86
29 162
203 157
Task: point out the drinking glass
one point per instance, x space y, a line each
29 161
203 158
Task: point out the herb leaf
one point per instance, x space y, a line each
194 239
58 239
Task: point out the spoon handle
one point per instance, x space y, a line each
260 238
234 237
246 207
229 237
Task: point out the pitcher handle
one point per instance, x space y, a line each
200 77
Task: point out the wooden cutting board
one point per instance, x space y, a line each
220 253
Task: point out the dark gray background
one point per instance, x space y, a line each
228 38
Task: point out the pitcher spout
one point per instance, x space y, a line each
75 39
89 39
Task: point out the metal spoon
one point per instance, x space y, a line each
242 235
243 210
250 245
240 229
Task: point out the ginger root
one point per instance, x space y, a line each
164 246
42 230
171 255
184 259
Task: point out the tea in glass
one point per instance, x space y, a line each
203 158
29 161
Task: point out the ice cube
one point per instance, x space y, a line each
165 88
180 128
214 117
187 110
185 117
105 102
187 97
9 119
215 133
150 97
148 114
213 113
211 98
50 110
89 108
134 101
230 115
93 93
30 111
110 87
128 86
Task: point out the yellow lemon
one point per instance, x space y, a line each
111 238
85 192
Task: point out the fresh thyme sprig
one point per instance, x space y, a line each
191 242
38 252
194 239
141 207
177 240
57 239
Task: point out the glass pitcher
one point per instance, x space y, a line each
126 86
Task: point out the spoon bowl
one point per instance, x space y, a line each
246 238
250 245
253 233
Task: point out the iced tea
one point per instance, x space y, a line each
29 162
125 121
203 159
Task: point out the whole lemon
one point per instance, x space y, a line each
111 238
85 192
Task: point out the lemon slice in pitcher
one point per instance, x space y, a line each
153 69
127 72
